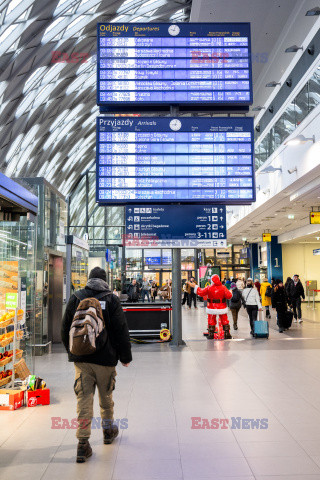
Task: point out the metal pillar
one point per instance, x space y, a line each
176 298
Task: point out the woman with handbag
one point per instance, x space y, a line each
251 302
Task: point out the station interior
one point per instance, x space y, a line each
203 397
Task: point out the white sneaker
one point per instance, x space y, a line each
300 320
295 320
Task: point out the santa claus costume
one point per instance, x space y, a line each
217 296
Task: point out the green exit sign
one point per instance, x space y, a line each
11 300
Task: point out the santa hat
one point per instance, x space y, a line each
215 276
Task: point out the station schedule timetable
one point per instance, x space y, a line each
168 160
187 64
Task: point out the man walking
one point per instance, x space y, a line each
192 297
296 291
145 289
98 368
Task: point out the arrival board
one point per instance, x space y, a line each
188 64
174 160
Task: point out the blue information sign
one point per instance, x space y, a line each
198 226
186 64
175 160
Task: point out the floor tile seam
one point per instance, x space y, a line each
32 412
280 422
54 454
222 410
296 393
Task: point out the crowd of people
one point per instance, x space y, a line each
251 294
255 296
144 289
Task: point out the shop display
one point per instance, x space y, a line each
10 353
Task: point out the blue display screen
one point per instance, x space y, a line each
187 63
170 160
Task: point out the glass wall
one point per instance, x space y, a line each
305 101
17 275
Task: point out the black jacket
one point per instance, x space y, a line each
287 287
235 302
118 346
296 291
133 292
279 299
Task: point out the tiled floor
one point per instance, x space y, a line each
276 379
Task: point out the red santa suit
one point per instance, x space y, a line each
217 296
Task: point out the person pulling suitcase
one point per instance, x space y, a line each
280 304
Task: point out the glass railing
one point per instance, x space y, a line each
306 100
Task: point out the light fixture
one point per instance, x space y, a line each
271 109
299 140
313 12
271 169
258 108
310 50
273 84
289 83
293 49
292 170
244 239
291 216
317 238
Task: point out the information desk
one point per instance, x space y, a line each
147 319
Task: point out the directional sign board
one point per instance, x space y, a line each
143 65
315 218
176 226
174 160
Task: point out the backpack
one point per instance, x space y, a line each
269 291
88 332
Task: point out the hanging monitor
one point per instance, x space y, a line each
148 66
186 160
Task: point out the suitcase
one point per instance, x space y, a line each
288 319
261 327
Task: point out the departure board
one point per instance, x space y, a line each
175 160
185 64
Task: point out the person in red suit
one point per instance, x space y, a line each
217 296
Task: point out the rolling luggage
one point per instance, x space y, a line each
288 319
261 327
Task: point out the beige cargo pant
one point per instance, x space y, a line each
87 376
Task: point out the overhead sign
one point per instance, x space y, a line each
182 160
316 251
315 218
176 226
266 237
160 64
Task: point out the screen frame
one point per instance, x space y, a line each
136 106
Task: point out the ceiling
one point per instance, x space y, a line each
48 109
272 216
275 25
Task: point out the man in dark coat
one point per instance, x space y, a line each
296 291
134 291
97 369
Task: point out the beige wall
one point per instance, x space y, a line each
299 258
